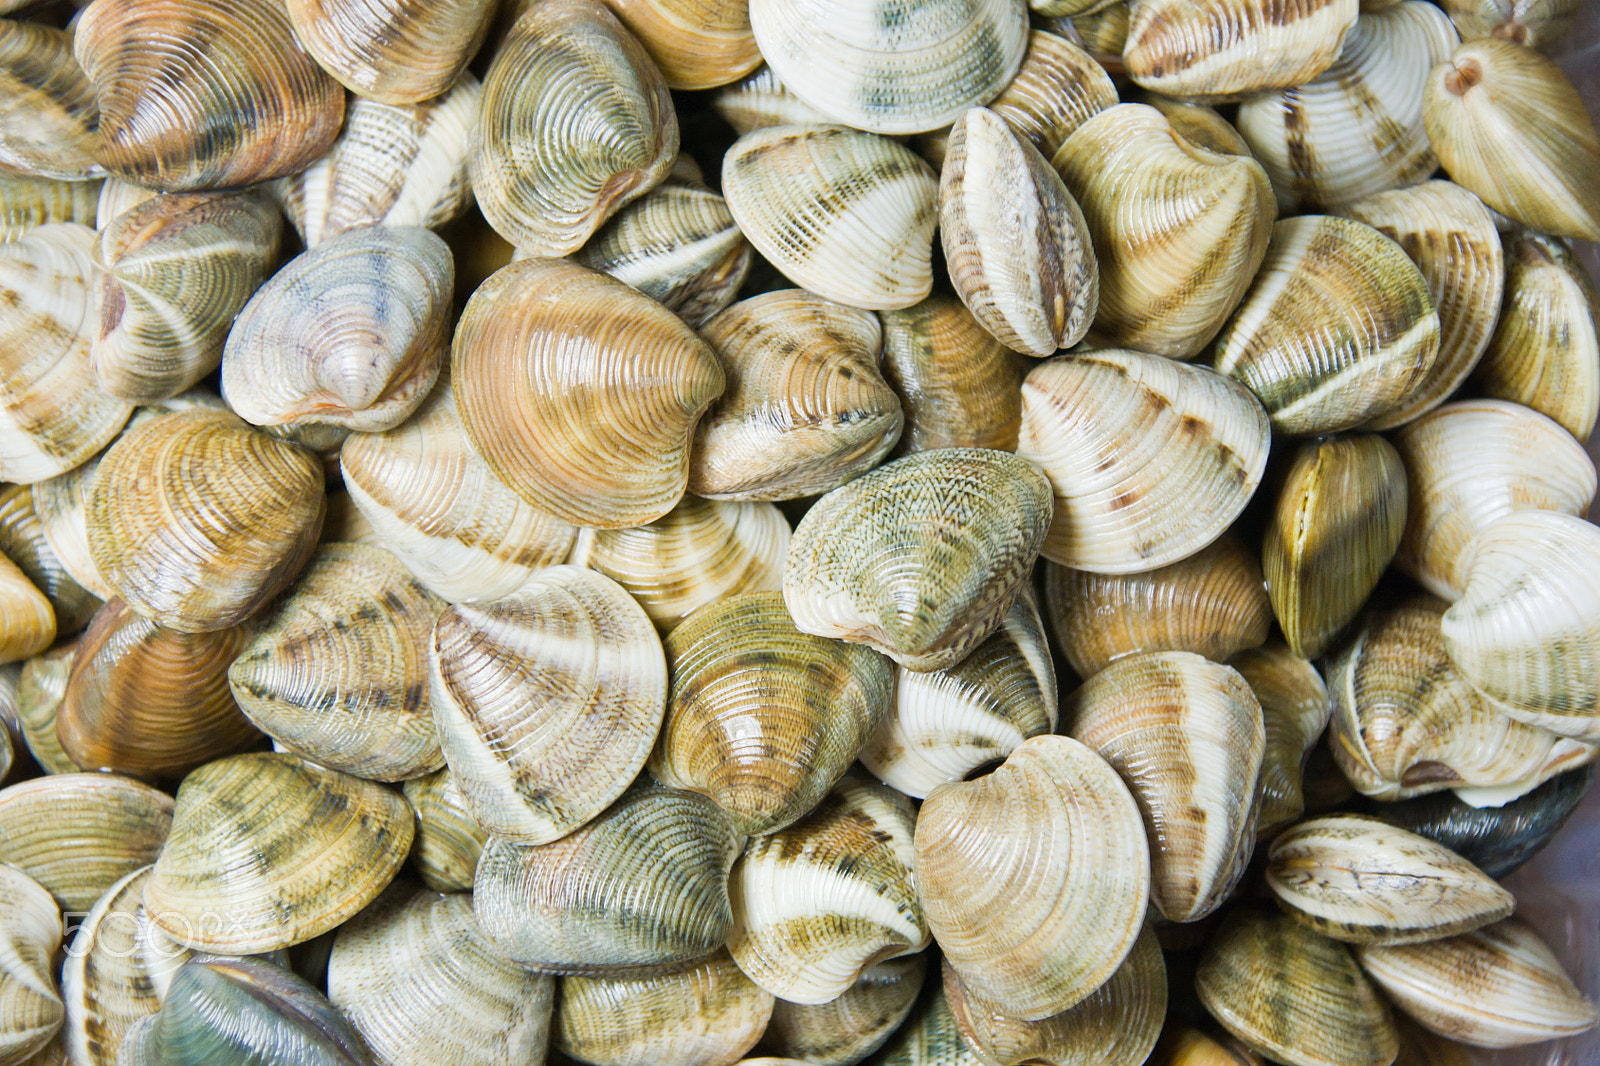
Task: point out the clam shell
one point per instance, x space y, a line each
230 99
929 1037
448 841
576 122
1294 710
921 558
30 1006
41 685
49 124
1200 125
1360 880
10 722
1178 230
1011 867
421 983
643 885
26 203
393 52
1541 24
1150 460
698 552
581 394
1103 32
764 718
847 1030
698 44
1191 1047
842 213
27 620
338 670
1496 987
547 701
78 834
116 197
805 408
1218 47
761 100
1337 329
61 503
958 386
229 518
1213 603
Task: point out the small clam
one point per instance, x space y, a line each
847 1030
1220 47
1103 32
1541 24
764 718
698 44
761 100
921 558
50 120
842 213
30 932
644 885
62 503
41 685
1294 710
1150 459
24 542
394 52
958 386
29 202
1200 125
929 1037
1034 878
448 841
116 198
27 620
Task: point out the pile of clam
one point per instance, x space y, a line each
607 622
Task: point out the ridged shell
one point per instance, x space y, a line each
929 1036
1178 229
761 100
338 670
26 203
643 885
1541 24
1337 329
698 44
1201 126
842 213
847 1030
1357 128
763 718
958 386
394 52
434 503
62 503
448 841
421 983
41 686
170 76
805 408
581 394
49 121
23 541
1034 878
1186 735
30 933
1102 31
1150 460
1294 710
698 552
228 518
1213 603
576 122
117 197
1218 47
1544 352
941 726
1497 987
1449 235
78 834
921 558
27 620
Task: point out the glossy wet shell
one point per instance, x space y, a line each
30 1006
958 386
40 688
23 540
27 621
698 44
1294 711
448 841
847 1030
394 52
1216 47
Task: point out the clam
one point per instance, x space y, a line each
1496 987
29 202
23 540
78 834
842 213
1222 47
50 120
698 552
193 96
547 701
644 885
448 841
764 718
420 982
1199 124
760 100
1103 32
1150 460
929 1036
1178 229
1034 878
116 197
576 122
41 685
393 165
338 669
958 386
1357 128
229 517
1337 329
805 408
1191 1047
1015 241
1541 24
434 503
1294 710
393 52
581 394
1361 880
30 932
1293 995
707 1015
1544 352
1213 603
698 44
847 1030
908 71
1509 126
943 725
921 558
27 620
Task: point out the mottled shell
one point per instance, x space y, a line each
761 100
167 76
698 44
448 841
434 503
763 718
1219 47
698 552
645 884
27 620
117 197
1034 879
227 518
1541 24
929 1036
23 541
1149 459
1337 329
581 394
847 1030
268 851
576 122
29 202
393 52
958 386
30 933
1294 710
41 685
842 213
49 119
921 558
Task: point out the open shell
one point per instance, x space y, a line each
49 121
449 841
30 932
1294 710
1220 47
847 1030
393 52
958 386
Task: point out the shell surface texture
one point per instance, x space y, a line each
24 542
847 1030
449 840
698 44
958 386
394 52
49 121
1219 47
1294 711
31 1011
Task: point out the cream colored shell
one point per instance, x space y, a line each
1294 709
395 52
1219 47
448 841
26 203
30 933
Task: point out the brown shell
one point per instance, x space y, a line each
958 386
27 620
49 118
698 44
394 52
